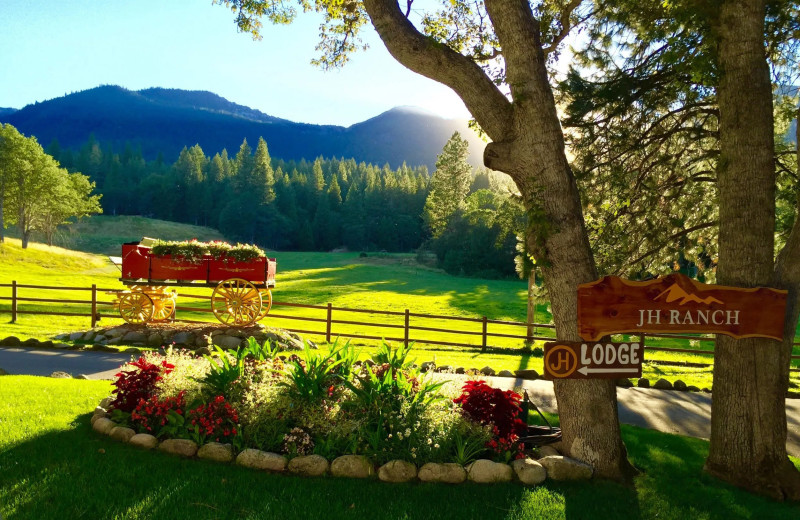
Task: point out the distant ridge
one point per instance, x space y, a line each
163 121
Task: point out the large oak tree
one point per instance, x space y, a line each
494 55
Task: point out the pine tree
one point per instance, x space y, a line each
449 185
262 180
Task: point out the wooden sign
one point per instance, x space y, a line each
676 303
576 360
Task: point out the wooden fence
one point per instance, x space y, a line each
408 327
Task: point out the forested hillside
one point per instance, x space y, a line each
317 205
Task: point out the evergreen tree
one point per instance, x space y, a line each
449 185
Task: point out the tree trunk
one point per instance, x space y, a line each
2 220
748 421
528 144
531 305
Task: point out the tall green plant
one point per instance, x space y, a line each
310 379
222 375
397 358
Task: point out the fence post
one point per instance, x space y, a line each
405 337
483 344
13 301
328 327
641 341
94 305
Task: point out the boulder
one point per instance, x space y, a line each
104 425
460 370
692 388
679 385
216 451
505 373
182 447
97 416
547 451
487 371
121 433
352 466
527 374
106 402
81 376
75 336
643 383
662 384
46 344
202 351
202 341
529 472
448 473
258 459
60 375
112 341
61 346
61 337
234 332
183 338
3 372
444 368
565 468
100 339
116 332
227 342
144 441
155 340
10 341
30 342
397 471
90 335
132 351
624 382
485 471
308 465
706 390
134 336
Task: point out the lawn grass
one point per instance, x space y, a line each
382 282
53 466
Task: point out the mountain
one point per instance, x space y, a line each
6 112
165 120
676 292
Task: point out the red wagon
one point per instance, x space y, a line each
242 289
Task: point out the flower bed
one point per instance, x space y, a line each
294 414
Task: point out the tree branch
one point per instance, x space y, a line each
566 25
436 61
668 240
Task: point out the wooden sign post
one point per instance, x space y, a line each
676 303
576 360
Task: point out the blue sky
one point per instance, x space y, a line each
49 48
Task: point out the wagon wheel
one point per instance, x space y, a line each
164 308
136 308
266 302
236 301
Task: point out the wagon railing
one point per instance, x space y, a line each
329 322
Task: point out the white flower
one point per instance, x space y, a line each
430 441
390 435
436 446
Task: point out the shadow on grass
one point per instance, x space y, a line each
79 474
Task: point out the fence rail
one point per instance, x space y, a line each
410 331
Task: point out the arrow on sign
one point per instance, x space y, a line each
586 370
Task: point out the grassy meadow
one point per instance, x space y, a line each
385 282
52 465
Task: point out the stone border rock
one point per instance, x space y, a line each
528 472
